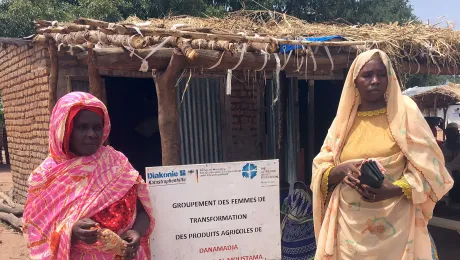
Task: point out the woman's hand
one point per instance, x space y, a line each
134 242
346 172
82 231
387 191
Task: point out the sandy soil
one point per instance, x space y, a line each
12 243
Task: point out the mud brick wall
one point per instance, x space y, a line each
245 115
24 72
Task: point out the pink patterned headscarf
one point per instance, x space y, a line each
63 190
59 119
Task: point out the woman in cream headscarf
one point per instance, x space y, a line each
374 120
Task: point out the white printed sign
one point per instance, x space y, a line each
226 211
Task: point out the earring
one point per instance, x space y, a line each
386 97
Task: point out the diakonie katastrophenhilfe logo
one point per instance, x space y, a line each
249 171
167 178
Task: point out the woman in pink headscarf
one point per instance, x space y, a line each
84 187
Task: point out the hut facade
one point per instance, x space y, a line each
189 90
438 101
24 82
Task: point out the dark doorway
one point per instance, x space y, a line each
326 99
133 109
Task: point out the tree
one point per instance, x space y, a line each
422 80
16 16
352 11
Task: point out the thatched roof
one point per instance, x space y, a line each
434 49
439 97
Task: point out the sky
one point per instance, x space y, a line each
437 10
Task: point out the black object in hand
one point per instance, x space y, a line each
371 175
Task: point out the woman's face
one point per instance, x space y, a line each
372 81
86 134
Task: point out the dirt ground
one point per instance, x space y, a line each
12 243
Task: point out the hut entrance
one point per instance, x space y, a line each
322 109
310 109
133 108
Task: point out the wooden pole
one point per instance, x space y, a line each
119 59
53 77
283 88
17 211
5 146
435 104
311 121
11 219
444 125
95 81
130 30
139 42
168 112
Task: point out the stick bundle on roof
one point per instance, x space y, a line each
264 32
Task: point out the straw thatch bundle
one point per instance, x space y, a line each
264 31
439 97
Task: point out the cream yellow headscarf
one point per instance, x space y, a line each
426 172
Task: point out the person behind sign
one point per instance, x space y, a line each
374 120
83 186
451 150
297 233
434 123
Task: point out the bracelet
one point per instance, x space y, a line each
405 187
325 182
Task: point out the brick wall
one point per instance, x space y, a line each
24 84
245 125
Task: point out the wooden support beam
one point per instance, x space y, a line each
139 42
12 220
7 199
282 133
66 29
95 80
311 122
5 145
168 110
186 47
14 41
96 87
17 211
148 31
53 77
119 59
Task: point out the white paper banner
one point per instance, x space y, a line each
226 211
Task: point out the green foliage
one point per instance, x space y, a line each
17 16
355 11
422 80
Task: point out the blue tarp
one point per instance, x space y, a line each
288 48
